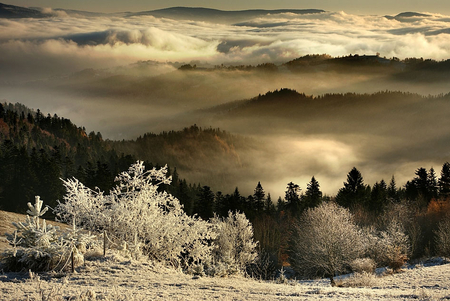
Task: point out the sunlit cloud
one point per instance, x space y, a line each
110 41
148 95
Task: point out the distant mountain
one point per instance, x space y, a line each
406 16
176 13
12 12
208 14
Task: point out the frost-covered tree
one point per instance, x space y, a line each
326 241
442 235
234 247
139 217
39 246
389 247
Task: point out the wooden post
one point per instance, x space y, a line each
104 243
73 264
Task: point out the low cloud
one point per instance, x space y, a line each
132 86
38 46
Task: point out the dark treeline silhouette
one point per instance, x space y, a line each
415 69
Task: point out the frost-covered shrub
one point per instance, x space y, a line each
361 265
234 248
326 241
140 219
360 279
38 246
442 235
389 247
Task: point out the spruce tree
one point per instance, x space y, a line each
292 197
378 197
392 192
258 197
444 181
313 195
204 205
354 191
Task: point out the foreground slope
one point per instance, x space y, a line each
113 278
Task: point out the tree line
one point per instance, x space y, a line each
36 151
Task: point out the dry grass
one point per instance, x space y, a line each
118 278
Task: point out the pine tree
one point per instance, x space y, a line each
269 206
354 191
258 197
204 205
378 197
432 184
281 205
292 197
444 181
392 192
313 195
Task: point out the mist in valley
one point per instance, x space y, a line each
120 75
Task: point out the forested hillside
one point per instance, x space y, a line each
37 150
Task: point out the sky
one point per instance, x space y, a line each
350 6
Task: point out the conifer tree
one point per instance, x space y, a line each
392 190
204 205
354 191
293 201
258 197
432 184
378 197
269 206
444 181
313 195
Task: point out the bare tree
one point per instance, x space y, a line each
442 235
326 241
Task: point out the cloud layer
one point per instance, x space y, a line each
131 87
63 44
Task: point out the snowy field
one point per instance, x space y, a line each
115 278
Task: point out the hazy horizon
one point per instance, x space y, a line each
349 6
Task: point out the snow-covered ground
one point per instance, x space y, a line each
115 278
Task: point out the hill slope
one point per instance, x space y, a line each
12 11
208 14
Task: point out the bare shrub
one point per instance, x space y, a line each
264 267
442 237
360 265
388 248
362 279
327 242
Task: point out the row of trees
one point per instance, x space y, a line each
26 171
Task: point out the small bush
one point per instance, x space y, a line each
41 247
388 248
362 279
361 265
265 266
442 235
